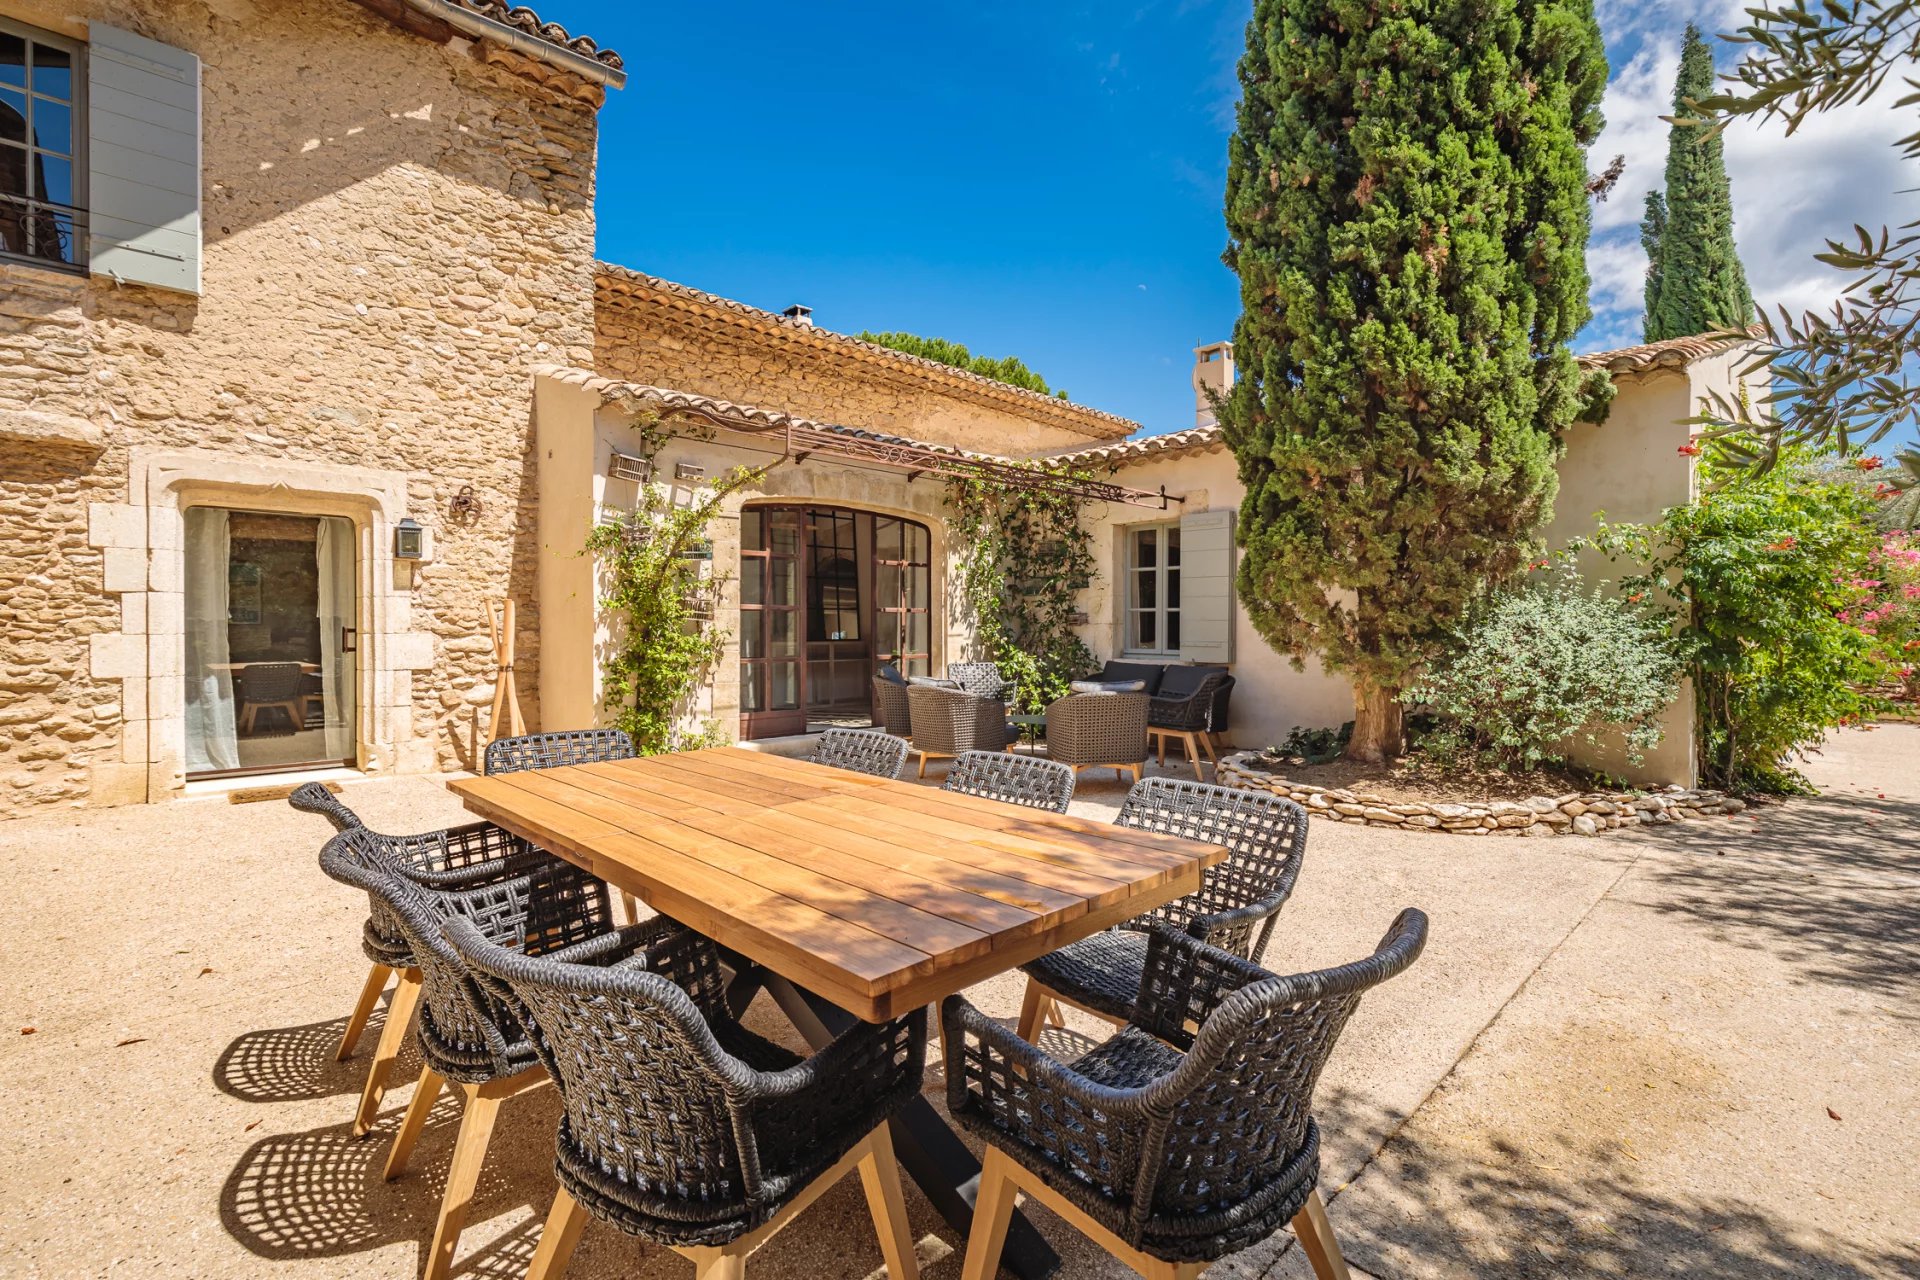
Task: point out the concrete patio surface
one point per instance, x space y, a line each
1682 1050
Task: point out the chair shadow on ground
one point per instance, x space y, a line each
1434 1208
1827 884
296 1064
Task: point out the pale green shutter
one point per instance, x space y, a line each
143 160
1206 586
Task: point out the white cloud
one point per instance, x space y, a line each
1789 193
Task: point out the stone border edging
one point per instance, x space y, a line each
1580 813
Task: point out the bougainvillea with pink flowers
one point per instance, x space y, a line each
1889 607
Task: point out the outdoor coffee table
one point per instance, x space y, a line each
849 896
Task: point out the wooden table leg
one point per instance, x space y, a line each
930 1151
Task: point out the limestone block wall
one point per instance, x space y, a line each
394 232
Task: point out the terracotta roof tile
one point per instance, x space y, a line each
1672 353
1031 404
526 20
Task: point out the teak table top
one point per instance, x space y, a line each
878 895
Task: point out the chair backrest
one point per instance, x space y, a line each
998 775
891 706
271 681
862 751
551 750
466 1031
649 1098
1098 728
981 679
1241 1100
1192 707
949 721
313 797
1267 837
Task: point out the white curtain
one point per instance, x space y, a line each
333 552
209 686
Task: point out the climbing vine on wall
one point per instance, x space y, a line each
656 565
1023 555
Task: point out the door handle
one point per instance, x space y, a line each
347 637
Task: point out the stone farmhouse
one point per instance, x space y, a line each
306 359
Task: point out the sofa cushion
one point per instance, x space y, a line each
1147 673
891 674
933 682
1108 686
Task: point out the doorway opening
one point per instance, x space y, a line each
271 640
827 595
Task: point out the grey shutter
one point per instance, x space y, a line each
143 160
1206 586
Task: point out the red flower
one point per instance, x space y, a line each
1688 450
1787 543
1869 463
1636 597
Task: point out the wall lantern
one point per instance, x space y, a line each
409 540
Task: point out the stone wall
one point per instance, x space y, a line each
394 231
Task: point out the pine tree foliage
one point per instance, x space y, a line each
1408 216
1695 283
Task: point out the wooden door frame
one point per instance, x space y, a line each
774 724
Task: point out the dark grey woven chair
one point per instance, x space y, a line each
1186 718
1028 780
552 750
1104 730
1190 1134
981 679
950 722
680 1127
891 708
862 751
471 854
275 686
467 1034
1235 908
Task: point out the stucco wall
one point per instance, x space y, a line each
394 231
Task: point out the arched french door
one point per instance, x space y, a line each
827 595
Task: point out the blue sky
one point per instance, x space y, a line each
1045 180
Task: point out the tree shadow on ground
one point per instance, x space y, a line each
1451 1206
1828 884
296 1064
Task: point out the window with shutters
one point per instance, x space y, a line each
1153 589
42 131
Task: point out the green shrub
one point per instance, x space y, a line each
1315 746
1543 664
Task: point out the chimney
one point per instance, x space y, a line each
800 315
1212 371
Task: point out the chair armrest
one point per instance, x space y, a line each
1183 981
862 1060
1232 930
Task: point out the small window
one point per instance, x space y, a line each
1153 589
42 170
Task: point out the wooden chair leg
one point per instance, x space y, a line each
1160 739
992 1212
406 998
1317 1241
1033 1011
565 1221
880 1175
469 1154
632 906
1193 755
424 1095
369 997
923 764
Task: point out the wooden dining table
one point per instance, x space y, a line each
846 896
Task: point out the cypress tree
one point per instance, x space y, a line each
1695 283
1407 213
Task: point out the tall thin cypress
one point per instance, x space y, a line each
1695 283
1408 216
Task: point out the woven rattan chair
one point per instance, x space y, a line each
273 686
474 853
1186 1137
467 1034
861 750
892 709
680 1127
948 722
1187 719
1099 730
551 750
1028 780
981 679
1235 907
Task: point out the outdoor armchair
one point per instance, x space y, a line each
1186 713
474 853
1235 907
1190 1134
948 722
891 708
1106 730
862 751
467 1034
680 1127
981 679
1027 780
